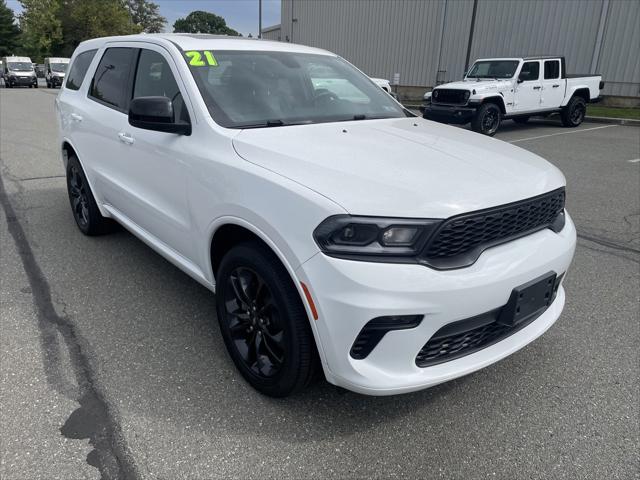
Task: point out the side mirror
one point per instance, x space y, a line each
156 113
520 79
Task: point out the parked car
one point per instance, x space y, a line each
337 229
55 70
39 68
495 89
385 85
18 71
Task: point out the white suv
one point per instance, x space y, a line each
337 229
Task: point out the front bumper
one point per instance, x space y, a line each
348 294
19 81
448 114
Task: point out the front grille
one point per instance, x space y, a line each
460 240
449 96
441 349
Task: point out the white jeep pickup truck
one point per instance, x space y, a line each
517 88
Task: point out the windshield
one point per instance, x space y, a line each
20 66
493 69
59 67
253 89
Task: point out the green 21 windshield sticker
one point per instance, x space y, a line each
195 58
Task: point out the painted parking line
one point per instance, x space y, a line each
635 160
561 133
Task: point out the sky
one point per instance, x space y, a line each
241 15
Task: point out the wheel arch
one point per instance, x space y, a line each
499 101
579 91
67 149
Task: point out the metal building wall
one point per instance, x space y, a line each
619 59
272 33
416 38
379 37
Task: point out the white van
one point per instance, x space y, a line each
19 72
55 69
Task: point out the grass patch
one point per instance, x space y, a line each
613 112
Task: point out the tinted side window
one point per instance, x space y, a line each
530 71
79 69
155 79
111 80
551 69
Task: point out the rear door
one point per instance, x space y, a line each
528 88
552 84
102 148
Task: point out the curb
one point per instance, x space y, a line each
615 121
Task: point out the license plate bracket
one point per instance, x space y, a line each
528 300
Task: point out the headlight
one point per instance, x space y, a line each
353 237
466 95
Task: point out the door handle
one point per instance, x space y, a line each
126 138
537 88
76 118
556 86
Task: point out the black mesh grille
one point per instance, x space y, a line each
449 96
465 236
438 350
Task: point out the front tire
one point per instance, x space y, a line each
83 204
573 114
263 321
487 119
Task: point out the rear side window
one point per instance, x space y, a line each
112 78
530 71
79 69
551 69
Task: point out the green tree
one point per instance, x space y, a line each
41 28
203 22
146 15
9 31
85 19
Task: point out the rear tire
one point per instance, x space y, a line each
521 120
573 114
487 119
83 204
263 321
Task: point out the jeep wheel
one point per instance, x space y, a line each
573 114
487 119
263 321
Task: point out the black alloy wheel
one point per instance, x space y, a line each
78 197
263 321
254 322
83 204
573 114
487 119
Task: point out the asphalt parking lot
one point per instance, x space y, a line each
112 363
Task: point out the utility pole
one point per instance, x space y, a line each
259 18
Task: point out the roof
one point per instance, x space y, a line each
541 57
201 41
271 28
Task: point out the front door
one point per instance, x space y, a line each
156 165
528 89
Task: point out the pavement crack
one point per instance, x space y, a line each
605 242
94 419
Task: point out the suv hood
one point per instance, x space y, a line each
479 86
406 167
